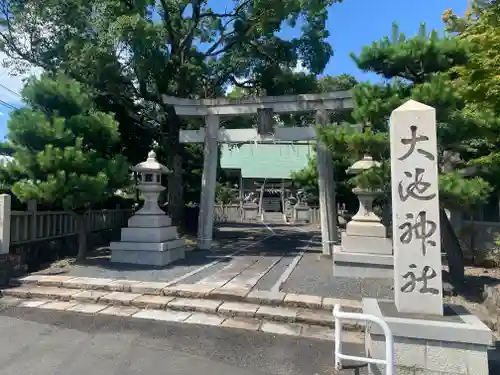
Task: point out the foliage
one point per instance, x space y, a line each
349 142
460 193
307 178
342 82
478 83
422 68
489 257
62 147
132 54
225 194
376 178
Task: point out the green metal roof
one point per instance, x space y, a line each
266 160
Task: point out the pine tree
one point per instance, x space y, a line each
62 149
424 68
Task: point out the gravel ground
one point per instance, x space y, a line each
314 275
279 246
105 269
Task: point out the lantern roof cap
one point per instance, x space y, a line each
361 165
150 165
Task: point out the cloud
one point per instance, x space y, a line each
13 82
300 68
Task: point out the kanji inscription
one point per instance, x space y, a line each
415 205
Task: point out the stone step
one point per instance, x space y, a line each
189 317
201 291
220 307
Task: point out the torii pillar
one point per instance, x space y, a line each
208 183
326 189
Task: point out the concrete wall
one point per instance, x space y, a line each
477 235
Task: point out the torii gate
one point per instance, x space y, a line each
265 107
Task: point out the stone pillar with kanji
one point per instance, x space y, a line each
429 337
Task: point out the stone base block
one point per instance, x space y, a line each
366 245
147 246
302 214
149 221
149 234
453 344
366 228
147 258
357 265
250 213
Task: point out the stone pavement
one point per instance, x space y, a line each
47 342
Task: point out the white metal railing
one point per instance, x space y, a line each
389 343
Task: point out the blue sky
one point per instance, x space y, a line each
352 24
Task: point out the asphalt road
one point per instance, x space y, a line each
57 343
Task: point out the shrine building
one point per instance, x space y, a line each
272 163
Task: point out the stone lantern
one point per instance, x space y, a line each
149 173
365 249
365 222
150 238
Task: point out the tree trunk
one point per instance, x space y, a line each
451 245
174 160
81 228
176 191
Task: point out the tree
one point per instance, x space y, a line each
134 53
478 82
63 149
479 78
307 178
423 68
420 68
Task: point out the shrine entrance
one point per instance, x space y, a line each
265 131
272 201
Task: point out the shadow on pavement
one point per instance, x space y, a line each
287 245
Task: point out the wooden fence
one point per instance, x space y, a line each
28 226
22 227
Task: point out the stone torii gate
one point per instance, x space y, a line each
264 107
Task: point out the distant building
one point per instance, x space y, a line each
254 164
4 159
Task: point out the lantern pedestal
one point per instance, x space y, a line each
150 239
366 249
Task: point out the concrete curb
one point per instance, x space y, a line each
203 291
189 317
225 308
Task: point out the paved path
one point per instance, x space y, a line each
270 258
58 343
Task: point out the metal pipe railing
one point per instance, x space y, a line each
389 342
